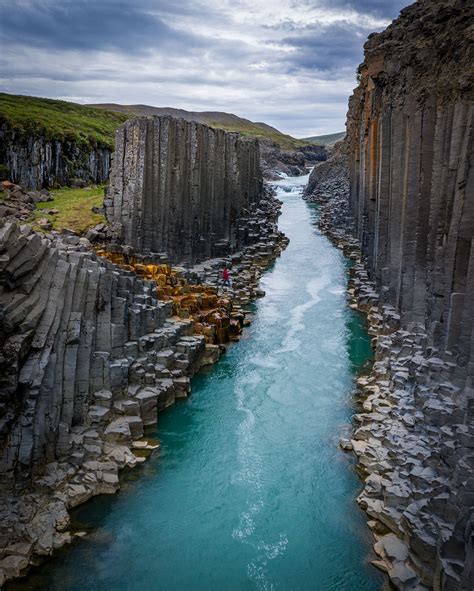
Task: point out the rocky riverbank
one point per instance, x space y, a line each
411 436
274 160
406 218
145 367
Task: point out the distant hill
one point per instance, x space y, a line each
325 140
218 119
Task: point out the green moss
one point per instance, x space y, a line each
74 208
60 120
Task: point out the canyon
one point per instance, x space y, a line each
399 198
233 487
98 340
91 354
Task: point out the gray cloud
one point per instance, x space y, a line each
312 51
90 25
386 9
290 63
381 8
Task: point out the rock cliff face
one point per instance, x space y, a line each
73 327
410 126
325 173
36 162
292 162
411 211
182 188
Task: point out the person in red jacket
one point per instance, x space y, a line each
225 277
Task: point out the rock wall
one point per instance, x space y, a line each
36 162
275 159
74 330
329 176
410 131
182 188
411 206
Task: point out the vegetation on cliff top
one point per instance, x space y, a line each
217 119
60 119
287 142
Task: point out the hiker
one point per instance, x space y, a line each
225 277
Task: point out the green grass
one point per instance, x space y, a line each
216 119
284 141
75 208
61 120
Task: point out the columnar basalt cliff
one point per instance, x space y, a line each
410 126
411 211
183 188
73 326
92 351
35 161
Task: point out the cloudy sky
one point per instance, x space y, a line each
290 63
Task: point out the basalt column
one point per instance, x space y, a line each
410 142
182 188
410 128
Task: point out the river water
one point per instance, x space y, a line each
250 490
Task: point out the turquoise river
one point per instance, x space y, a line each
250 490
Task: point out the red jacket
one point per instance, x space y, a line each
225 275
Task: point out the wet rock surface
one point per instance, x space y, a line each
275 160
329 177
411 243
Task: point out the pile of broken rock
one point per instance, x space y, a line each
18 203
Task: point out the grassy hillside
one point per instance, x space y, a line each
325 140
96 124
60 119
218 119
249 128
